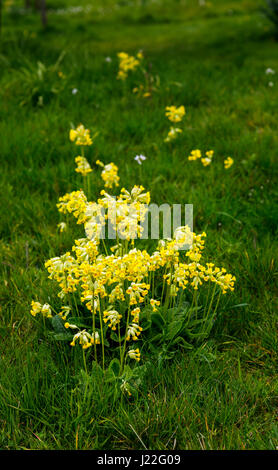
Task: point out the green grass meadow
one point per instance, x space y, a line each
212 58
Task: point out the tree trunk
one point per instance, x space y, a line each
43 12
0 16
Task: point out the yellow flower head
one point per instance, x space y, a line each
175 114
208 159
195 154
134 354
109 174
173 134
83 166
80 136
127 63
228 163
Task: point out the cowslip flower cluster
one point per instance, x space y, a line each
83 166
109 174
207 159
228 163
197 155
112 288
128 63
117 286
146 83
37 308
172 134
80 136
175 114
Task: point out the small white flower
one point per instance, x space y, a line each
140 158
270 84
74 91
270 71
108 59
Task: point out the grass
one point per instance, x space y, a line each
212 59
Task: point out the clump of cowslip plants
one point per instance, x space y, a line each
119 305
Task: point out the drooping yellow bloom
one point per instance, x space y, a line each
134 354
154 303
83 166
35 308
195 154
175 114
44 309
65 310
70 325
133 331
109 174
228 163
127 63
75 203
80 136
173 134
86 340
208 159
113 317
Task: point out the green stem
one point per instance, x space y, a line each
124 348
102 336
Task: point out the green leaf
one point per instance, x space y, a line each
115 367
62 336
157 320
58 324
79 321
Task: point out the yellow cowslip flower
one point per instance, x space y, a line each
137 292
95 338
133 331
109 174
175 114
35 308
208 159
135 313
154 303
183 236
80 136
113 317
65 310
75 203
127 63
195 154
228 163
44 309
83 166
65 270
85 339
86 250
173 134
69 325
134 354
